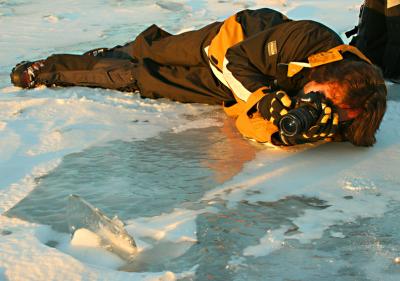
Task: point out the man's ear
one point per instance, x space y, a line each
346 113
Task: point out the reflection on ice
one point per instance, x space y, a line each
94 227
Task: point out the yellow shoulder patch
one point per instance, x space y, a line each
332 55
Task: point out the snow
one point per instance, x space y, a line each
39 128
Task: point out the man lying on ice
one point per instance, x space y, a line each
258 64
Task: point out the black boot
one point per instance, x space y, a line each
24 74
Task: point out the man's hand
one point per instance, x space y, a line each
325 127
274 106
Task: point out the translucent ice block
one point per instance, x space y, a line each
112 234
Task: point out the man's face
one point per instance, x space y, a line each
336 93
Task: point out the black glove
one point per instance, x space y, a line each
274 106
325 126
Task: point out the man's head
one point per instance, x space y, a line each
358 91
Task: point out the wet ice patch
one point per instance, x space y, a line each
54 123
71 121
160 210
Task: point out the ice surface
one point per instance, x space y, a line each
201 202
90 222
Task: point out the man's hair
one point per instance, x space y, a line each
365 90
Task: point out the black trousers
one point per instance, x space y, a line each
157 63
89 71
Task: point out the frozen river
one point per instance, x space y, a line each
201 202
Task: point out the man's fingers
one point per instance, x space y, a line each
329 128
323 126
335 125
325 116
283 112
276 111
285 100
274 105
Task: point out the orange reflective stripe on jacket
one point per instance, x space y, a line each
230 33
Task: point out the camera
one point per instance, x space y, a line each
303 116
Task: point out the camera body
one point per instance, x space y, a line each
305 114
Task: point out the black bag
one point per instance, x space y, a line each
378 35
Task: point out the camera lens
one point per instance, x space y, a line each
298 120
289 125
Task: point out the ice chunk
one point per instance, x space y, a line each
112 234
85 238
